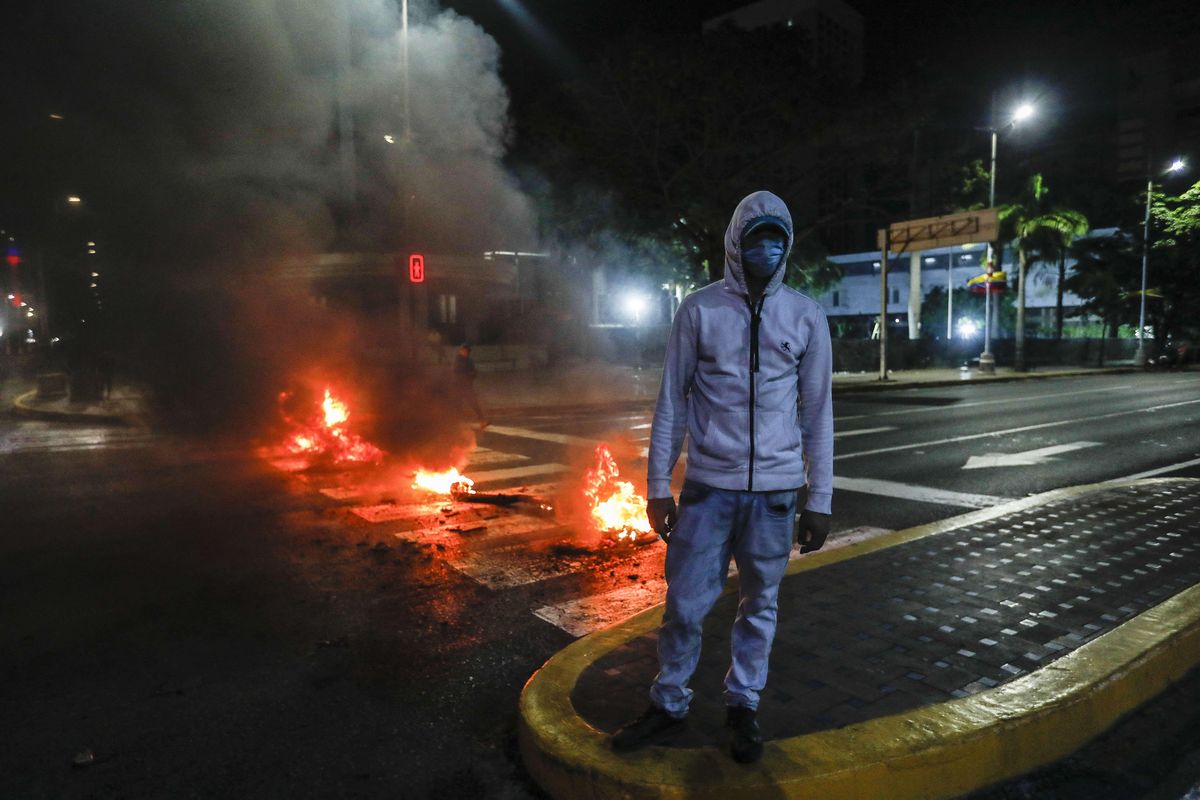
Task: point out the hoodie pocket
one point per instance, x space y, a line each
779 442
726 440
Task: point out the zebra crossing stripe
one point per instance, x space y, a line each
390 512
341 493
511 566
583 615
542 436
483 456
498 475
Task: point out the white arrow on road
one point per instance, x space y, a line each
1029 458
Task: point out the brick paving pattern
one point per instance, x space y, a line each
941 617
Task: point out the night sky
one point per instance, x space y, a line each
76 57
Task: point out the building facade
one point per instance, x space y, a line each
853 305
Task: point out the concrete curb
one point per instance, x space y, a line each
23 405
845 387
877 385
937 751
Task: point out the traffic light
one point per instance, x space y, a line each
416 268
13 257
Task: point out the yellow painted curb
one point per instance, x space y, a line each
936 751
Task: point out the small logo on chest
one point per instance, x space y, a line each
787 346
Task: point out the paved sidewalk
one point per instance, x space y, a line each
928 663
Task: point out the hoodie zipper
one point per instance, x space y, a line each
755 321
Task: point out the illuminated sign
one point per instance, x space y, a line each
416 268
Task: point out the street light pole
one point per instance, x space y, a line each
1139 358
987 362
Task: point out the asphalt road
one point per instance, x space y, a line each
199 620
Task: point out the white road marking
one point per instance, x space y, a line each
863 431
863 533
511 566
484 529
289 464
973 404
1040 426
497 475
389 512
483 456
1150 473
583 615
341 493
1026 458
542 436
922 494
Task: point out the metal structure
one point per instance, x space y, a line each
922 234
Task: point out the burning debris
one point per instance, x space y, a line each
462 490
325 433
616 509
450 482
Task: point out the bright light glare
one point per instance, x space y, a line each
1177 165
1023 112
967 328
387 137
74 199
635 304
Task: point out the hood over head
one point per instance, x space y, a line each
756 209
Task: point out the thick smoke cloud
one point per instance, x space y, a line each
222 143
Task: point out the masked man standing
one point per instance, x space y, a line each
748 377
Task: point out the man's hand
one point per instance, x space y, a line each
661 513
811 530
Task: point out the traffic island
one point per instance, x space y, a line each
925 664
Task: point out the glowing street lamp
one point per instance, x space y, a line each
1023 111
1139 358
635 305
74 199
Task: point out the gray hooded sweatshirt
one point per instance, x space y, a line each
750 386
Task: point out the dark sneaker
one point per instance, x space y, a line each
746 745
644 730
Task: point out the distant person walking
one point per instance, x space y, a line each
464 384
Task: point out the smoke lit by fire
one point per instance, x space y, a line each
616 509
325 433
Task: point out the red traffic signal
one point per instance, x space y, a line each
416 268
14 257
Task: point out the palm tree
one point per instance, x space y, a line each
1040 230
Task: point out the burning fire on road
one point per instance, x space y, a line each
325 433
449 482
616 509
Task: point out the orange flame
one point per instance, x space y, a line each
443 482
616 508
327 434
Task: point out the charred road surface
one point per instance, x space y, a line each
186 619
